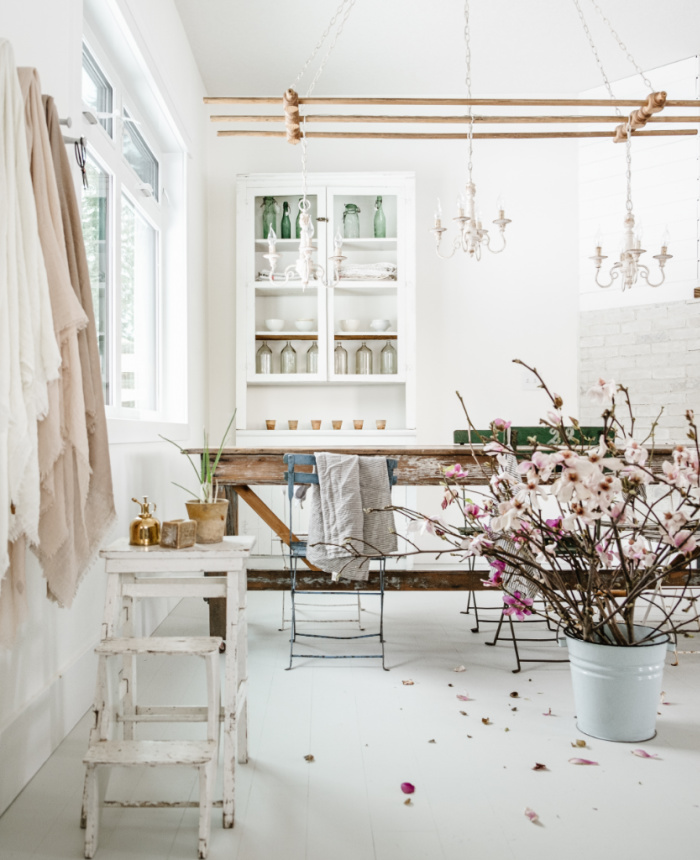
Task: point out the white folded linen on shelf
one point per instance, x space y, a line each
348 488
368 271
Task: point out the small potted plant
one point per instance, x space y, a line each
594 527
206 508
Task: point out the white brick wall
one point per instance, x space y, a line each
652 349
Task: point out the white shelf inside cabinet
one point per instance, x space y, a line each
371 244
286 335
294 288
283 243
368 379
286 379
366 288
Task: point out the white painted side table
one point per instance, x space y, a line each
134 572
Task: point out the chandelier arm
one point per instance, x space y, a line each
456 245
646 274
496 250
614 274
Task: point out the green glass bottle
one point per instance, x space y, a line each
297 225
286 225
379 220
270 209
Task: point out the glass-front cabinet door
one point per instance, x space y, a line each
345 342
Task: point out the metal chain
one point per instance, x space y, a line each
320 43
348 9
625 50
595 53
468 57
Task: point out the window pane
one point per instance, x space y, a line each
97 91
96 217
138 154
138 366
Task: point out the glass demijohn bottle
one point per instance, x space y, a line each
263 359
340 359
387 360
286 225
351 221
288 359
312 358
379 220
363 359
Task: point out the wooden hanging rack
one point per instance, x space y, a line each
643 114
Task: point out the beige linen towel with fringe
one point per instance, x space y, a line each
64 457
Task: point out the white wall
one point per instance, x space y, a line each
472 318
47 679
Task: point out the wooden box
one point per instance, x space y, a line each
178 534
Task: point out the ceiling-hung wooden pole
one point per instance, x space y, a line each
666 132
332 100
455 120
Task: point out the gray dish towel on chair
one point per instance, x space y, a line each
348 486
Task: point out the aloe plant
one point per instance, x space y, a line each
205 472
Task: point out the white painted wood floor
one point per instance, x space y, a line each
368 733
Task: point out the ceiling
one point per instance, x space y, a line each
407 47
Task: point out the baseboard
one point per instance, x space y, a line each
28 741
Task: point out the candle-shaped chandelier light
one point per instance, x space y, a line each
628 268
471 236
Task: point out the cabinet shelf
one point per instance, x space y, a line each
286 335
360 335
371 244
268 288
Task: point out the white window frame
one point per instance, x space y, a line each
128 424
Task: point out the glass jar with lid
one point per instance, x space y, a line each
387 359
340 359
351 221
288 359
263 359
363 359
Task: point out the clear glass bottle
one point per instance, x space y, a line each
270 208
387 360
297 223
288 359
263 359
286 224
351 221
340 359
379 220
363 359
312 358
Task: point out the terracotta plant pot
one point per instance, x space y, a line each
210 518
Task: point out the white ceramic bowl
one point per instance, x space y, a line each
350 325
380 325
274 325
305 325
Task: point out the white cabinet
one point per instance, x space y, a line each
377 283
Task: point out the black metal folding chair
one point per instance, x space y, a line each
297 550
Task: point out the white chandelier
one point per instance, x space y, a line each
471 236
628 268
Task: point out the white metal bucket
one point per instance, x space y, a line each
617 688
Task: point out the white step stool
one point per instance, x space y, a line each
105 751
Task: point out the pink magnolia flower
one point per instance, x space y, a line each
501 424
518 605
449 496
605 554
495 448
456 472
472 510
602 391
495 579
554 417
683 541
673 521
635 453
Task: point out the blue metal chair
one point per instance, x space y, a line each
297 550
